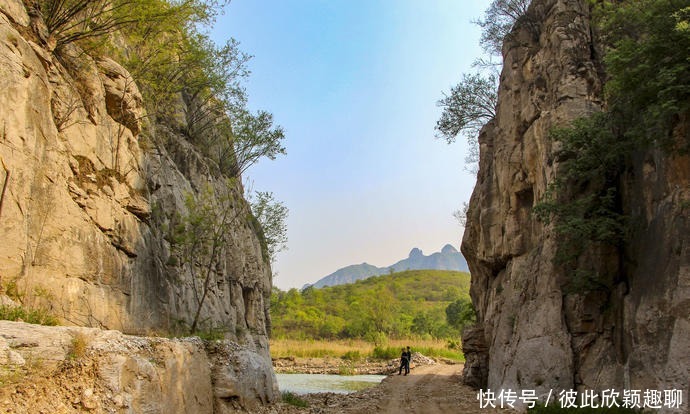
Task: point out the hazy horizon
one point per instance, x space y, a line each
355 86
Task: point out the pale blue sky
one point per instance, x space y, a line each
354 84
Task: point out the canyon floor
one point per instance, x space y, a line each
429 389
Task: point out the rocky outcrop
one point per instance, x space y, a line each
90 197
537 335
476 368
71 369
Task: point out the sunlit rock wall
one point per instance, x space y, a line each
531 333
90 199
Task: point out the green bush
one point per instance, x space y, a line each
211 334
352 356
584 201
386 353
36 316
452 354
646 60
294 400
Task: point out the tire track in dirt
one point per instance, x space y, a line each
430 389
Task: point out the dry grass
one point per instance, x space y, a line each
281 348
78 346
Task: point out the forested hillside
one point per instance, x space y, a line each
423 303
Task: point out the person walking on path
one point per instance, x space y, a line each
404 362
408 353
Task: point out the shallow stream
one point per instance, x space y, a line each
312 383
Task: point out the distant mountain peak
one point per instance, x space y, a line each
448 259
448 248
416 253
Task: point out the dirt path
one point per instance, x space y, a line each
430 389
426 390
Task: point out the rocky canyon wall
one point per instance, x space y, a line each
532 332
88 202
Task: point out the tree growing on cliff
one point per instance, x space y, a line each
646 60
499 20
200 238
210 80
271 215
254 137
472 102
469 106
69 21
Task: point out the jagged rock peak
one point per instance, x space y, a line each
416 252
448 248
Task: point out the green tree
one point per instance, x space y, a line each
460 314
430 322
422 324
254 137
272 216
381 309
470 104
648 86
499 20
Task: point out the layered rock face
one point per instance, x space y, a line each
533 333
73 369
88 203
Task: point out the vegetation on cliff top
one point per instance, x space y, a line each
647 91
191 86
472 102
422 303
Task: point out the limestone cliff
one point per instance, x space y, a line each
533 333
73 369
87 204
